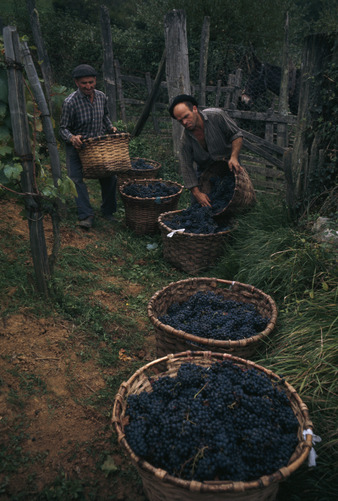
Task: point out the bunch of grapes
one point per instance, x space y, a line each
210 315
223 422
222 191
141 164
152 190
196 219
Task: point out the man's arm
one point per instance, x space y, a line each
233 162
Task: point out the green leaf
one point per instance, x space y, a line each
13 171
5 150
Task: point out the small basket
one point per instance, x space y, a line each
170 340
244 193
139 173
159 485
142 213
190 252
104 156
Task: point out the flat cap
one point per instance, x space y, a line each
181 99
83 70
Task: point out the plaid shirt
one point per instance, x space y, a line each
220 130
81 117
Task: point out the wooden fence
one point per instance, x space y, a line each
261 156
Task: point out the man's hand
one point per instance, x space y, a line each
76 141
202 198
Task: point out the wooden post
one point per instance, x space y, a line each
204 59
218 93
151 97
44 111
153 109
108 63
51 144
317 54
120 90
177 67
46 68
284 86
22 146
283 104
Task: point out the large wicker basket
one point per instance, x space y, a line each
244 193
139 173
170 340
103 156
142 213
190 252
159 485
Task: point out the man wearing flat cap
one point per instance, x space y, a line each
208 136
84 115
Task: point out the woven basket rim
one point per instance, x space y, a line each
147 181
155 167
187 233
300 454
217 343
105 137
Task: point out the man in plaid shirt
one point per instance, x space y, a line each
84 115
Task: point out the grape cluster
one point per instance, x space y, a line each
196 219
141 164
223 422
210 315
222 191
152 190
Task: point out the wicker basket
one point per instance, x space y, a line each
170 340
142 213
244 193
139 173
104 156
159 485
191 252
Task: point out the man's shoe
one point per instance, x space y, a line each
86 223
110 218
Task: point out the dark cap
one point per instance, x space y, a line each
181 99
83 70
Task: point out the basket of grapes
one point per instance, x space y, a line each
145 199
141 168
192 239
211 314
203 426
104 156
229 192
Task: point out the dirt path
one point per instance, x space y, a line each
48 381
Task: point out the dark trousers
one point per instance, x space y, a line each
108 187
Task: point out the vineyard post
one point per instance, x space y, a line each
23 150
42 53
177 62
108 63
204 59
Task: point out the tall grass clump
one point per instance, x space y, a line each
282 258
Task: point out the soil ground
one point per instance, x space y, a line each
45 381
